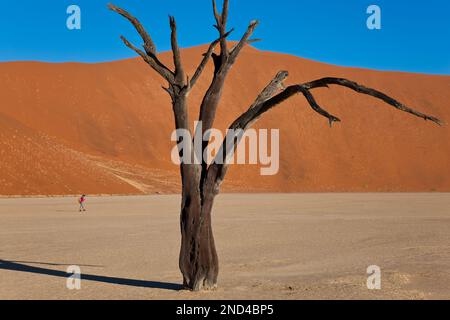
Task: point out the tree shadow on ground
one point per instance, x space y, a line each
17 266
54 264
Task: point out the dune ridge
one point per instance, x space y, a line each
105 128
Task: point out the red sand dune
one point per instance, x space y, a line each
105 128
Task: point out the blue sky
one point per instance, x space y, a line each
415 35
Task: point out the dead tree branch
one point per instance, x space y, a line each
149 46
243 42
324 82
179 71
221 26
266 100
227 59
206 57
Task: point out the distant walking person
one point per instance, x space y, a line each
81 202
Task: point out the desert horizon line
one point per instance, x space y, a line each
252 47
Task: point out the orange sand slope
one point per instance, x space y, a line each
105 128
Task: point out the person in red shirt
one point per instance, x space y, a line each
81 202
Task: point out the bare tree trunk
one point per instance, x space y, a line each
199 263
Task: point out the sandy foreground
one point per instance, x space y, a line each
271 246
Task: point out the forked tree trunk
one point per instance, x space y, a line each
199 263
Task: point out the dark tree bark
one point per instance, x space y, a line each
201 182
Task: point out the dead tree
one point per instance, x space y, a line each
201 182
